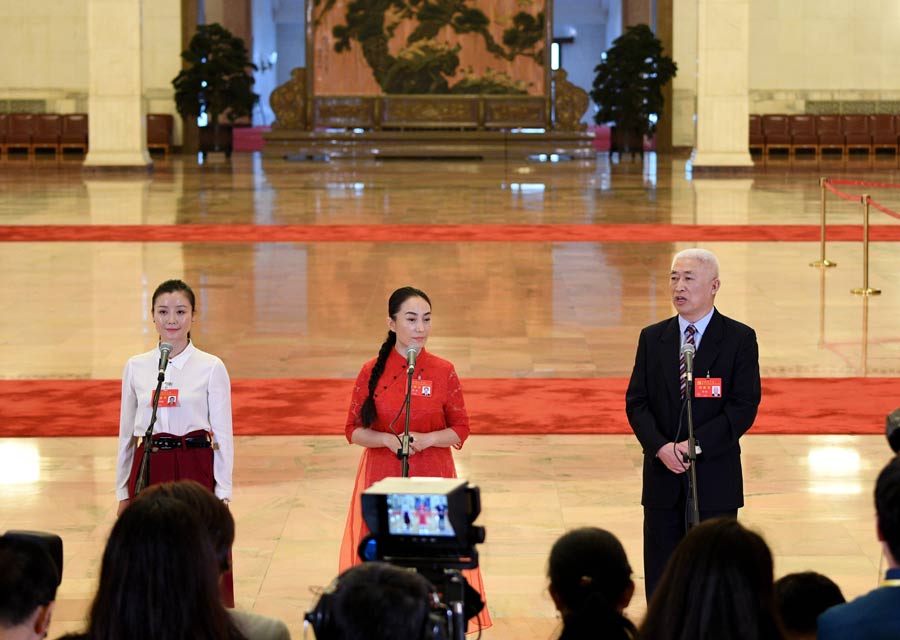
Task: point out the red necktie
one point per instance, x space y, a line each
688 339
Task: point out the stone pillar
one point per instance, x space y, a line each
723 78
637 12
116 110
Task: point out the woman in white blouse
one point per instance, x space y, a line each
193 433
192 436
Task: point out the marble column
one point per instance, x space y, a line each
115 93
723 77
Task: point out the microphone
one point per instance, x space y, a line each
411 352
688 351
164 350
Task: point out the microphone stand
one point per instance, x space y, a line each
693 505
403 451
143 476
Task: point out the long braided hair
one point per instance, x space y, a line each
368 413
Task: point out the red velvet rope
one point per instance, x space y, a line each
828 184
864 183
893 214
839 193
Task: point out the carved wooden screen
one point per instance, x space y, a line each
439 47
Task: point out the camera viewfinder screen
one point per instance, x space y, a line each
418 515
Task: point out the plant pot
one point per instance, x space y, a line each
626 141
217 137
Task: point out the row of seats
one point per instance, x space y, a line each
818 133
29 132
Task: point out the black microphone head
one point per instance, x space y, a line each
165 347
892 430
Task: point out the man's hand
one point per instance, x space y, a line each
672 455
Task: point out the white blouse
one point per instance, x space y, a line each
204 402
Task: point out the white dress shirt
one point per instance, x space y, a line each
204 402
699 328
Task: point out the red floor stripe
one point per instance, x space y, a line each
502 406
641 233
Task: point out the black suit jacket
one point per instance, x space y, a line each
727 350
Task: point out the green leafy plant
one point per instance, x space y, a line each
629 81
218 81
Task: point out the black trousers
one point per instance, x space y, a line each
663 530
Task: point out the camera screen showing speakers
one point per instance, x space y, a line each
418 514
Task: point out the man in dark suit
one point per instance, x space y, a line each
876 615
725 400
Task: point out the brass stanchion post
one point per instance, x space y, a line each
823 261
865 290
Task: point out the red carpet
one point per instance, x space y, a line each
496 406
441 233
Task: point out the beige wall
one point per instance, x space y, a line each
44 44
823 51
806 56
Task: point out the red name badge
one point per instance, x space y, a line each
167 398
421 388
707 387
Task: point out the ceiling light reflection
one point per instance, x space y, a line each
834 461
836 488
20 463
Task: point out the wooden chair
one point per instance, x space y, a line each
856 133
74 132
803 134
830 134
20 128
757 139
45 135
4 124
159 132
884 130
777 133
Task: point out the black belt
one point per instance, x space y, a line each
167 443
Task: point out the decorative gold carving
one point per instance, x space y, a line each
289 102
430 111
350 112
570 105
514 111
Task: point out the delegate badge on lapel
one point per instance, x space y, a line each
167 398
421 388
707 387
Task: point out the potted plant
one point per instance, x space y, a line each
216 82
628 86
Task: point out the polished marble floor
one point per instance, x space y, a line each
502 309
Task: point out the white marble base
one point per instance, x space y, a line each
704 159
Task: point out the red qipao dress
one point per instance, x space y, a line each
437 403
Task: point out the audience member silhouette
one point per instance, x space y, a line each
800 598
875 615
217 518
28 581
159 578
590 583
378 601
717 586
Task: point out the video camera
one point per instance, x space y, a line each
427 524
422 522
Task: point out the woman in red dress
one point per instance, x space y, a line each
438 418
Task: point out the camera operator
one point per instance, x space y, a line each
378 601
28 581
